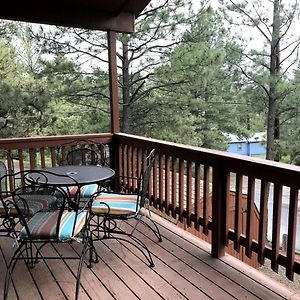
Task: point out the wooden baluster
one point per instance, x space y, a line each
64 152
250 215
151 179
293 208
155 188
21 159
121 165
277 204
167 184
124 161
206 199
225 205
139 162
263 221
43 161
174 186
189 192
181 189
238 210
11 169
197 203
161 181
128 166
134 168
32 157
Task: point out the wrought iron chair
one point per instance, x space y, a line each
83 152
59 225
5 169
108 208
35 202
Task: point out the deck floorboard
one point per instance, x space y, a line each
183 269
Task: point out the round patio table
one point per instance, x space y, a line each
69 176
82 174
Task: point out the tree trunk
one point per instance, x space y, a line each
126 112
273 121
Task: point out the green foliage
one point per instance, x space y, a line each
10 78
267 68
182 78
198 88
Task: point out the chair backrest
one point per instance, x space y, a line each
3 172
7 209
5 169
44 179
38 182
82 157
82 152
7 223
145 177
7 184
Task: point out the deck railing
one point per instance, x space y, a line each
195 187
41 152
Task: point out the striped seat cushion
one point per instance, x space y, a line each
119 204
86 191
36 203
43 225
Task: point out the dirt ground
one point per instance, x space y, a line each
280 277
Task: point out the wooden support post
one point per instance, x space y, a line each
113 82
219 211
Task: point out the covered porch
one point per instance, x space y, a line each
193 187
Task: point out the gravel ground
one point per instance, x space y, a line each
295 285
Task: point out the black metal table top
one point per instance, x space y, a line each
82 174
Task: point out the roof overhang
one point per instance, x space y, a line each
115 15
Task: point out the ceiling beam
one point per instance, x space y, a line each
123 22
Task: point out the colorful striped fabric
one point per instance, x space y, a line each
119 204
43 225
86 191
35 203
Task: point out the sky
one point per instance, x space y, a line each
255 39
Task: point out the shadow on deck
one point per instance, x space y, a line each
183 269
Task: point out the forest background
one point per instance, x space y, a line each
189 74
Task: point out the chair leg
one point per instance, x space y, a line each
139 219
93 257
85 249
113 232
138 245
29 255
147 255
11 268
38 252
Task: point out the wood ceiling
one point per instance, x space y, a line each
115 15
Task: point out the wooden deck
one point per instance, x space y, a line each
183 269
